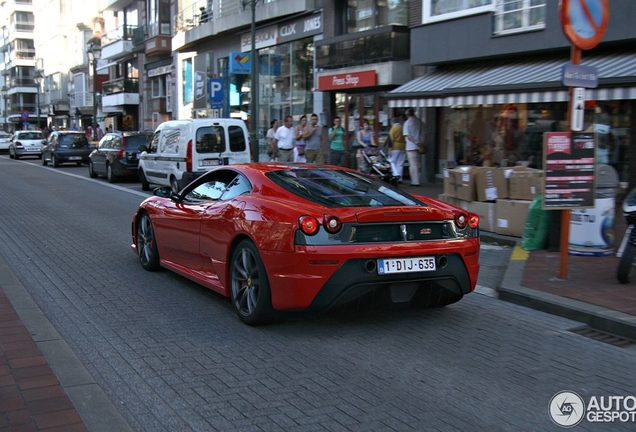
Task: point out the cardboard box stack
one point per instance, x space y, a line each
500 196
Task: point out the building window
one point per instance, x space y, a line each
158 85
438 10
513 16
365 15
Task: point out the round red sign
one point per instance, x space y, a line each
584 21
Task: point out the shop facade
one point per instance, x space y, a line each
497 85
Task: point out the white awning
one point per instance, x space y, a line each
105 66
529 81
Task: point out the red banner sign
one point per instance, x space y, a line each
347 81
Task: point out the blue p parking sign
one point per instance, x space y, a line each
215 89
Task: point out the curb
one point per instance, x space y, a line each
600 318
91 403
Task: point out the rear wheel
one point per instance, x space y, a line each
91 170
145 186
626 263
249 285
174 185
54 161
112 178
147 244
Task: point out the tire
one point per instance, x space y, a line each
145 186
16 156
249 285
44 161
11 155
91 170
112 178
147 244
54 161
174 184
626 264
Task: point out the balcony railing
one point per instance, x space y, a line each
379 45
120 33
81 99
23 54
121 85
139 35
21 82
193 15
23 27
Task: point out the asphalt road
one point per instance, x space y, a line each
172 356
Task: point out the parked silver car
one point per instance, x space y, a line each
26 143
5 140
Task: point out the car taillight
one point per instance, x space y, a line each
461 220
332 224
308 224
473 221
189 157
18 144
122 149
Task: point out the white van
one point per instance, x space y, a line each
182 150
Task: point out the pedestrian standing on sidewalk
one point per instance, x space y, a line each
313 141
411 131
337 144
271 135
299 131
284 141
397 152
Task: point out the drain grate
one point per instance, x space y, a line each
602 336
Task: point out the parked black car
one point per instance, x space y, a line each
66 147
117 155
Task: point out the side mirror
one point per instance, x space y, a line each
163 191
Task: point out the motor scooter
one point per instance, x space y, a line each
627 249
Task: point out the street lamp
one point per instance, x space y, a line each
254 95
94 52
5 92
37 77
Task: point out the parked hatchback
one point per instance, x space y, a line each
26 143
117 155
5 140
66 147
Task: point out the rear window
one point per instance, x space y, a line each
237 139
134 141
335 188
30 135
210 139
73 141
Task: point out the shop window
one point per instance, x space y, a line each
438 10
513 16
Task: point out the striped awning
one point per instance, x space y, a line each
515 82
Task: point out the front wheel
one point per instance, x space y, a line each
626 264
54 161
145 186
147 244
91 170
250 291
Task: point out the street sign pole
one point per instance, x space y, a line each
584 23
564 244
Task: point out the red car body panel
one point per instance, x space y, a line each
196 240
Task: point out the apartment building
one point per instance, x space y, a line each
18 69
492 82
